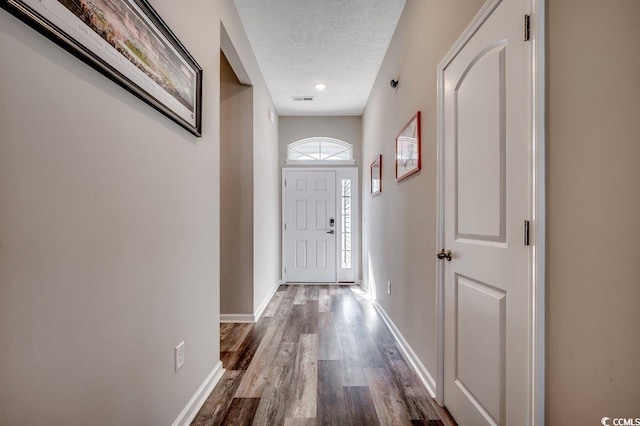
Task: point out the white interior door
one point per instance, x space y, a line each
487 187
310 226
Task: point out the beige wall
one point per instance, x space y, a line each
236 189
593 290
266 204
109 231
249 218
266 172
399 239
593 197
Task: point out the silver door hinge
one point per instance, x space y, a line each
285 270
527 242
285 226
285 182
527 27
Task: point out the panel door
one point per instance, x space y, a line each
487 139
310 225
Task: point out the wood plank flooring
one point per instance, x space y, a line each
319 355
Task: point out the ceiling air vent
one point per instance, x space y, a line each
302 98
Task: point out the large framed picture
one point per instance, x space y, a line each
408 149
128 42
376 176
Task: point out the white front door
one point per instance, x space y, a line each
487 188
310 226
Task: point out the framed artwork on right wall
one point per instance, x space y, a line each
408 159
376 176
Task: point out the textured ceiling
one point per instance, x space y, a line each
338 42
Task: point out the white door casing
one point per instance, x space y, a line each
486 185
310 226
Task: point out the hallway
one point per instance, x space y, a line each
115 221
319 355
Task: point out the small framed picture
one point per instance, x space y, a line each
376 176
408 149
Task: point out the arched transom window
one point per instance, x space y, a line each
320 150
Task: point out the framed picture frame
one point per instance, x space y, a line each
376 176
408 143
129 43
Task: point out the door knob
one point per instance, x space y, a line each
444 254
331 232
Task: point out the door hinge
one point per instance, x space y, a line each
285 182
285 226
527 27
285 270
527 242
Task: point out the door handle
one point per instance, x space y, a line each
331 232
444 254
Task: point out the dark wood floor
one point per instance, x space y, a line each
319 355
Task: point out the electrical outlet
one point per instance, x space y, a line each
179 353
388 287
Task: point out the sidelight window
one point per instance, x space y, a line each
346 217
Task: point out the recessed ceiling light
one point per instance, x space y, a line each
320 86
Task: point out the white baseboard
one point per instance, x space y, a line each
197 400
252 318
332 283
266 301
420 369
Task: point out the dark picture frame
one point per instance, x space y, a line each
408 148
376 176
129 43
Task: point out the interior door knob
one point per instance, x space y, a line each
331 232
444 254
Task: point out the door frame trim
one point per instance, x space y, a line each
355 212
538 206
